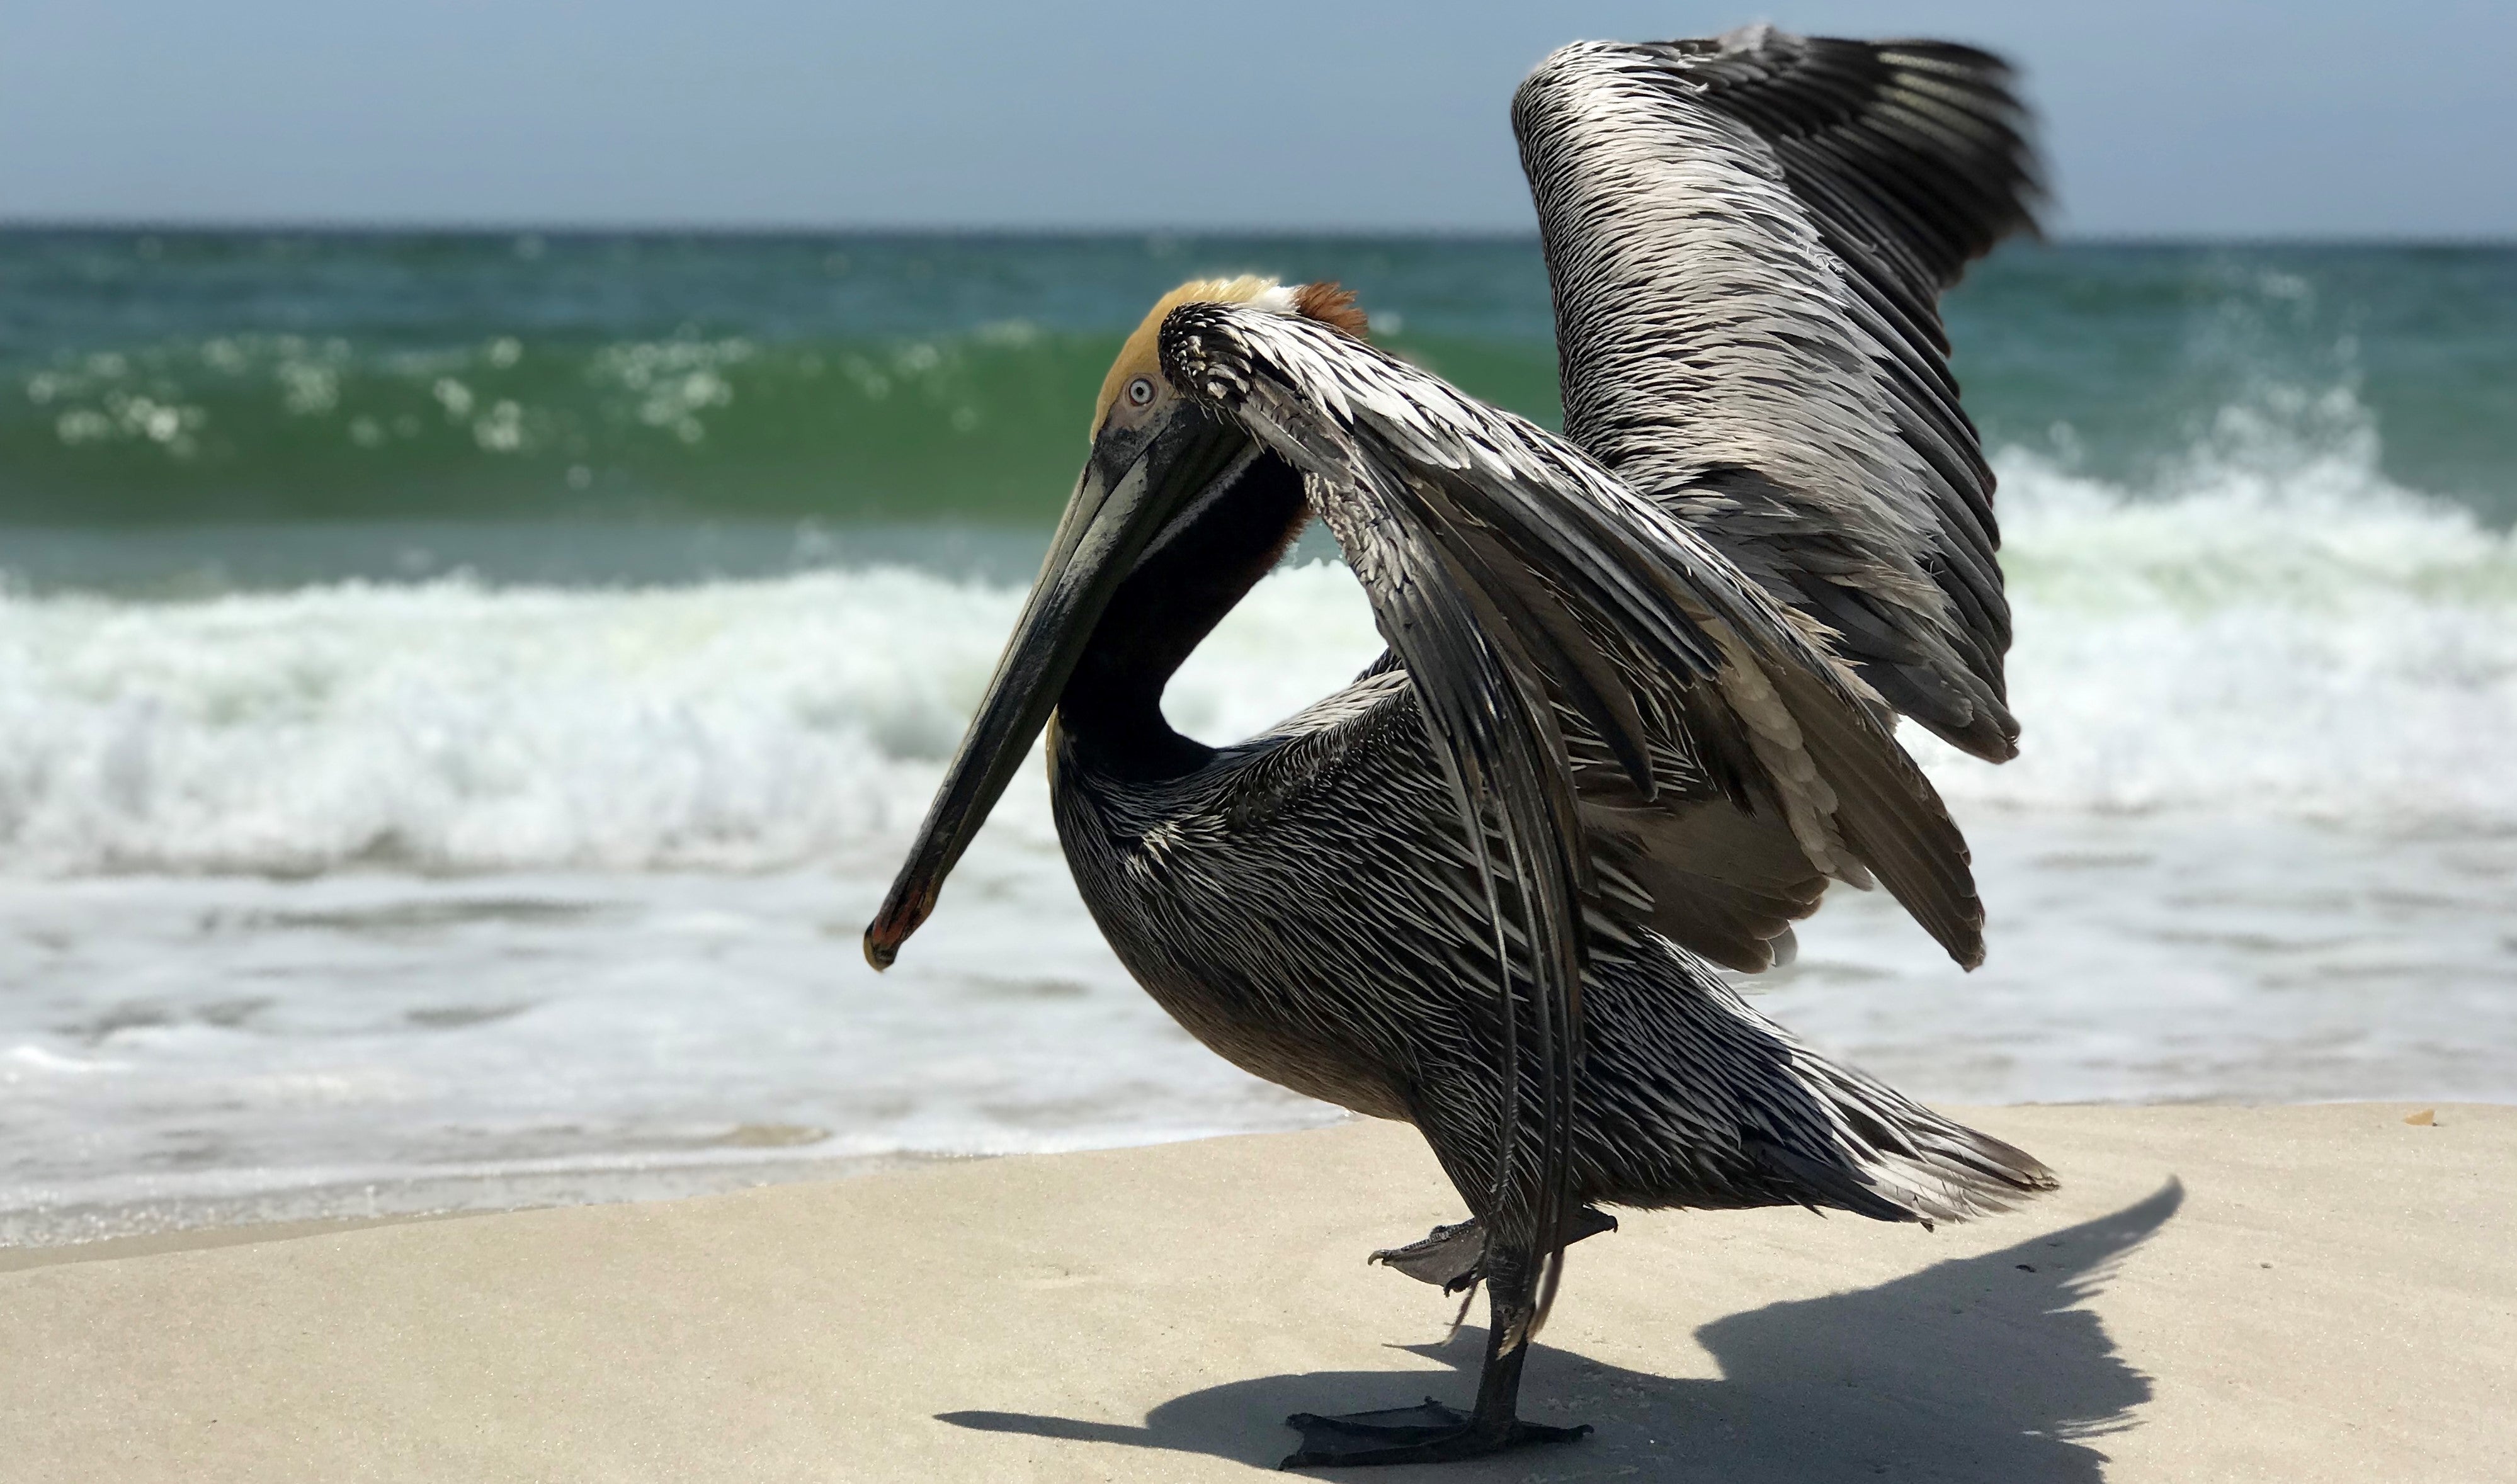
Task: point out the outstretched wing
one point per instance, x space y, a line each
1747 239
1513 576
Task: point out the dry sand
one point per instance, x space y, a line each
2283 1294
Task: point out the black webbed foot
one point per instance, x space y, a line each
1432 1433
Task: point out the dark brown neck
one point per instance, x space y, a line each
1113 704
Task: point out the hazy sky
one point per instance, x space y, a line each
2211 117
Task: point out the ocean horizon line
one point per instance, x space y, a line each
354 226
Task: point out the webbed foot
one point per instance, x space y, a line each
1432 1433
1454 1257
1449 1257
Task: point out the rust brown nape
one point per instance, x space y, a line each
1333 304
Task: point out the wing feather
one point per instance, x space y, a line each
1747 237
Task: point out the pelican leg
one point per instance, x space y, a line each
1434 1433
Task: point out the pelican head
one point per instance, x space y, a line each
1160 464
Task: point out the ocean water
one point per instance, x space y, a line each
460 699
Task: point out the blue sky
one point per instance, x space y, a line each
2310 119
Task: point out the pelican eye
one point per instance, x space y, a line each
1140 391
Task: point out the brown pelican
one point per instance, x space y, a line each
1637 707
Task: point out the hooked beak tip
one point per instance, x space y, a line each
900 916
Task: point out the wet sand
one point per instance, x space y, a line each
2295 1294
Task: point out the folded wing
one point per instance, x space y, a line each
1747 239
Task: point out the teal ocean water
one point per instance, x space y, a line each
202 379
460 698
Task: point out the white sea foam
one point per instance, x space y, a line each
2321 646
452 726
2300 639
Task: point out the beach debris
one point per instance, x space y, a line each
2428 1118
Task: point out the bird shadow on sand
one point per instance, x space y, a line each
1978 1369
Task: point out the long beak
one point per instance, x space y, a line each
1130 490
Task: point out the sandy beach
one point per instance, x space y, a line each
2293 1294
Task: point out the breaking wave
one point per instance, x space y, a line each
2272 630
2275 630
